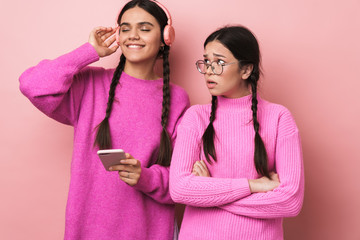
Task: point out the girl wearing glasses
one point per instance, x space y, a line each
129 107
237 163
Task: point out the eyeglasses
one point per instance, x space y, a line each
217 67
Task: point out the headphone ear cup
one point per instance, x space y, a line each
117 35
169 35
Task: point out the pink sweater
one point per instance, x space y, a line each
100 205
221 206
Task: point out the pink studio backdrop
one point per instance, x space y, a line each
311 62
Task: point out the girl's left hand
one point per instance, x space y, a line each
200 169
129 170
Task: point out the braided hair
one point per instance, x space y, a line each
244 46
209 134
103 138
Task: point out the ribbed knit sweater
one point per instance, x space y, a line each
222 206
100 205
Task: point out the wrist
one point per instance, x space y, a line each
252 185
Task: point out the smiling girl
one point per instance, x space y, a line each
237 163
129 107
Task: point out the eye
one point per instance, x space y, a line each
124 29
145 29
220 62
207 61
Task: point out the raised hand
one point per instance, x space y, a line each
101 38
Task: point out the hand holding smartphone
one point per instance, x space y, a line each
111 157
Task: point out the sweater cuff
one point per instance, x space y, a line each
241 187
144 182
84 55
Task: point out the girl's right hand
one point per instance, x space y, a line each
264 184
101 38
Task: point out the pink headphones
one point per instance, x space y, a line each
169 31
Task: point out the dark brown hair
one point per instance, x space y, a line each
103 138
244 46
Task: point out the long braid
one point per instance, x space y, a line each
103 137
209 134
165 142
260 155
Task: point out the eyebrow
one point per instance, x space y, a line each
140 23
215 54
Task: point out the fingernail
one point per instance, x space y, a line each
110 168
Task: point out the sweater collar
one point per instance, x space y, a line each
128 77
235 104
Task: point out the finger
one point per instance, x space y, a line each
130 182
275 177
131 161
98 29
103 31
125 174
203 169
114 48
200 171
110 40
121 167
128 155
107 35
195 172
196 168
203 164
197 163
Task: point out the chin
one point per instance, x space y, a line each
214 92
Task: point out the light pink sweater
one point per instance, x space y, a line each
221 206
100 205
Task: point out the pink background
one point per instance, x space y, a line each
311 63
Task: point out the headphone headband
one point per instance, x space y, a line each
169 22
169 31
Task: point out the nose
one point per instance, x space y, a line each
134 34
208 70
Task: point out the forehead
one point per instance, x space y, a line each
217 48
137 15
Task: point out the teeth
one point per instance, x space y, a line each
134 46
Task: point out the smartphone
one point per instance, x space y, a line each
111 157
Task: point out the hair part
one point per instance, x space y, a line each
243 45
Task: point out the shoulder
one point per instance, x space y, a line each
281 115
196 116
178 93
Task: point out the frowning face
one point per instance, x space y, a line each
231 82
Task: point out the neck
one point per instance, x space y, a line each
238 94
143 70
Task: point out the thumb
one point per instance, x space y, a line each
128 156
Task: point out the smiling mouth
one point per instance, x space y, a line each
134 46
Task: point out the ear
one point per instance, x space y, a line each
246 71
